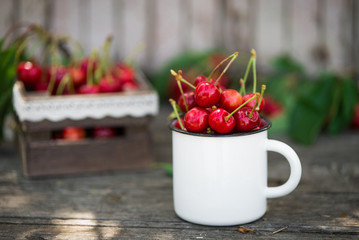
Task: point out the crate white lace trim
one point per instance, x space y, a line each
76 108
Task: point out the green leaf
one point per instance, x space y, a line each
308 116
5 107
167 167
7 68
7 78
2 40
343 105
286 63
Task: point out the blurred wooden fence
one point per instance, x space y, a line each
323 34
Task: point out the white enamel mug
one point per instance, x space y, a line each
221 180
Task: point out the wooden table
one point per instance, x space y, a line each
139 205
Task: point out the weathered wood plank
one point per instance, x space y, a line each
100 22
139 205
85 28
33 11
205 28
236 27
336 24
165 42
66 18
305 33
32 232
133 35
6 16
286 23
268 41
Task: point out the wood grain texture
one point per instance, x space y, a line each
66 18
32 11
6 16
139 205
268 33
336 24
321 34
305 33
205 28
100 20
133 36
236 27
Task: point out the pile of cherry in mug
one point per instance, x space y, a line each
211 109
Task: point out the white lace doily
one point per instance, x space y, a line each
76 107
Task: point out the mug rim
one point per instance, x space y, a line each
265 128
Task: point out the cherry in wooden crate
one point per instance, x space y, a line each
44 153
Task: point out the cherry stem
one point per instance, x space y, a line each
64 81
139 48
13 29
254 106
90 66
173 104
261 97
70 85
106 52
254 76
51 86
28 30
226 68
247 69
243 104
188 83
180 78
254 57
79 52
53 70
20 49
234 55
242 91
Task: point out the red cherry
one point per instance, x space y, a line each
191 103
253 102
59 72
196 120
104 132
73 133
41 86
200 79
85 64
88 89
218 123
206 94
109 84
56 74
124 73
230 100
176 123
78 76
272 107
262 123
29 73
245 122
355 121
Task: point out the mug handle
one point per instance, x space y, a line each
295 169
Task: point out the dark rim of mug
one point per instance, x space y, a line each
265 128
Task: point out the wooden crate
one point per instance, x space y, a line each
44 156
